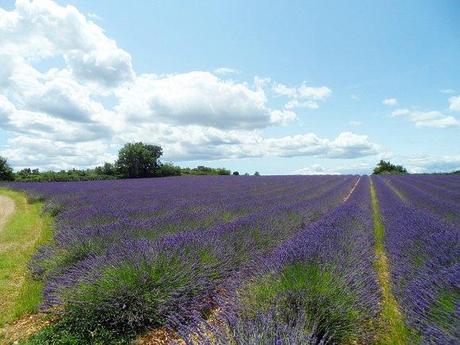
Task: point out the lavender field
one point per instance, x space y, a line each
252 260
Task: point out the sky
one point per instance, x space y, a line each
279 87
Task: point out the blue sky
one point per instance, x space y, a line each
254 58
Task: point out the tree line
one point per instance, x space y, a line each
135 160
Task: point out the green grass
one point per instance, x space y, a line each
393 329
24 231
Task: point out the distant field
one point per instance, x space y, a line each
252 260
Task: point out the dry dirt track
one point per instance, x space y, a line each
6 209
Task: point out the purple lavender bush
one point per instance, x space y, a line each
424 253
439 201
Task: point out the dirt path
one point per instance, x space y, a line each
6 209
352 190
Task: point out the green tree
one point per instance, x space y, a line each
108 169
24 173
6 173
139 160
222 171
169 169
384 167
235 173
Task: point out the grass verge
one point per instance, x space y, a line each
393 329
24 231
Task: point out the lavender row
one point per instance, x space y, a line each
447 181
433 186
438 205
318 287
423 252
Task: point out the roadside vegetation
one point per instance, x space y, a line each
25 230
139 160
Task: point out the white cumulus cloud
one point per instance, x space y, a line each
69 97
199 98
195 142
427 119
302 96
42 29
423 163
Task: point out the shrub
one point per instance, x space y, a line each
307 300
384 167
169 169
133 293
